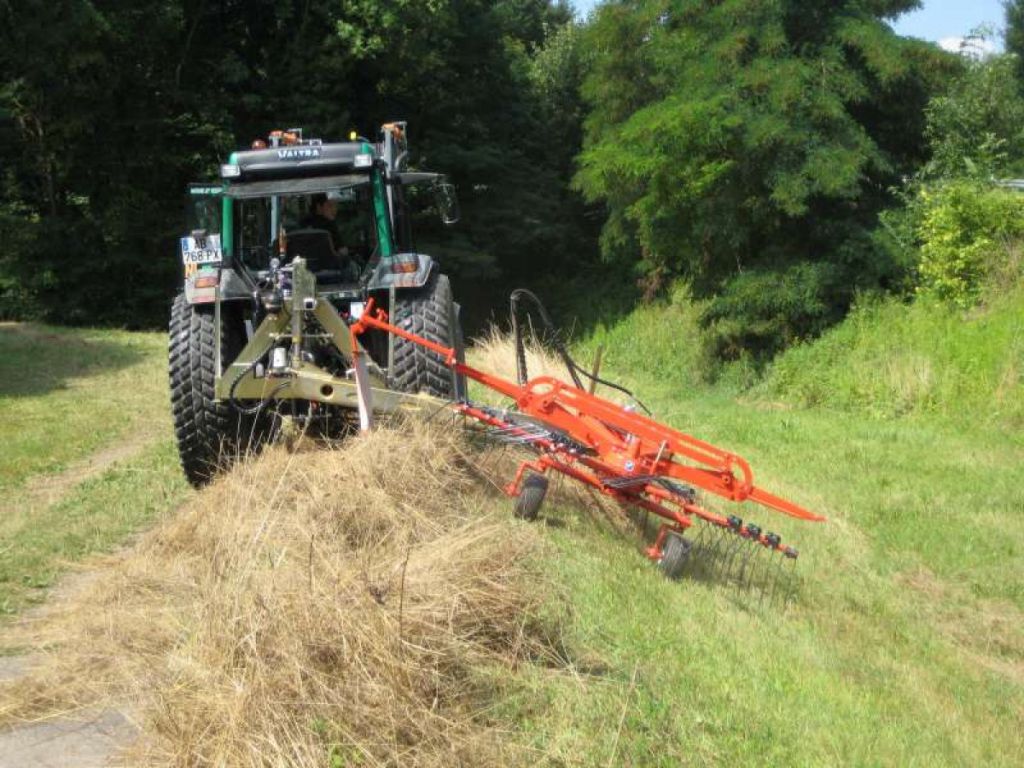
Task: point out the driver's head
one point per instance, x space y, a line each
323 206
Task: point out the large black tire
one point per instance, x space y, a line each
211 434
427 312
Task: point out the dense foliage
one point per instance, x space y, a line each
778 156
749 147
962 224
108 109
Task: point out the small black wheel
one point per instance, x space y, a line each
675 554
531 496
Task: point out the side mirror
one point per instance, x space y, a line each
447 202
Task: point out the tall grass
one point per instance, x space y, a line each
662 338
891 358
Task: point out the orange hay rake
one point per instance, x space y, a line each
611 448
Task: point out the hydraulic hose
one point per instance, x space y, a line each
575 370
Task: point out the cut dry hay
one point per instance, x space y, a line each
333 607
495 353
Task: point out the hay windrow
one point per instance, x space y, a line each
337 605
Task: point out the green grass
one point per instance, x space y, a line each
905 645
891 359
68 398
65 393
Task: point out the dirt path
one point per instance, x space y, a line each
84 739
87 740
42 491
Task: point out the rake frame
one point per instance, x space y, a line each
620 453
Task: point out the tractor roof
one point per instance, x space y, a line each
314 184
299 161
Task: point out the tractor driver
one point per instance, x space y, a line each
322 214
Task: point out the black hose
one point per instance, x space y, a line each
255 409
573 367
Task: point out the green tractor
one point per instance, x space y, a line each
282 256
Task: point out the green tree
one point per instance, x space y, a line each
748 146
976 128
1014 35
107 109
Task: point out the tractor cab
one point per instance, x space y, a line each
340 206
280 258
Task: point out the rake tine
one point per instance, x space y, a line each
700 541
691 562
764 585
734 550
779 568
751 550
789 584
716 536
724 562
763 573
753 534
724 547
754 558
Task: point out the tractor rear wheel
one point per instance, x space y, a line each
211 434
427 312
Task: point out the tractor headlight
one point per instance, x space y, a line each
230 171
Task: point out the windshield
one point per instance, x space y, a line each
345 214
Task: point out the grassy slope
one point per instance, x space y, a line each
66 396
906 645
891 359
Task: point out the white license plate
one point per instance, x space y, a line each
202 250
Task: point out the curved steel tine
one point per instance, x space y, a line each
691 559
734 550
790 584
751 551
753 559
700 542
719 547
710 551
766 573
778 575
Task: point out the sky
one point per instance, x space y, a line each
943 21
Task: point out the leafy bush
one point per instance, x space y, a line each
760 312
969 234
976 128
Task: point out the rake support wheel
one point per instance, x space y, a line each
531 497
675 554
